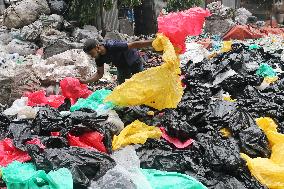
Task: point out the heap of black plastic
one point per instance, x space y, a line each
84 164
202 114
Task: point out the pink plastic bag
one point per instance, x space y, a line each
176 142
177 26
91 140
9 153
73 89
39 98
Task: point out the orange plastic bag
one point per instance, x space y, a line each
178 25
159 87
270 172
135 133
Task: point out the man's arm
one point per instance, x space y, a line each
140 44
98 75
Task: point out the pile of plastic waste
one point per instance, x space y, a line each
215 120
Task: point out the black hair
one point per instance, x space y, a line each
90 44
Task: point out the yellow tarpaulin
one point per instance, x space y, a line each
158 87
135 133
270 172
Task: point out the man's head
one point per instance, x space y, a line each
93 48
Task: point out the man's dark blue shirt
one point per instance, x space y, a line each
118 53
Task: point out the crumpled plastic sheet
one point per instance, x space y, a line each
194 52
265 70
39 98
9 153
242 32
135 133
125 175
175 141
84 164
72 88
171 180
91 140
24 175
269 171
20 108
95 102
177 26
114 119
159 87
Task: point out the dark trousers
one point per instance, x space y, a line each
124 73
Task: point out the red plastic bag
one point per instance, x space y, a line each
92 140
9 153
36 141
72 88
176 141
178 25
39 98
55 100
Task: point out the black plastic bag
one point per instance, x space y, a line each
4 123
84 164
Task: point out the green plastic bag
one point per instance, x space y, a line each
95 101
265 70
254 46
19 175
171 180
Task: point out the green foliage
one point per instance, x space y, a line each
178 5
130 3
86 11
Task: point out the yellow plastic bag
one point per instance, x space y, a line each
227 46
270 172
135 133
159 87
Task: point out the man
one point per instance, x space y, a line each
122 54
